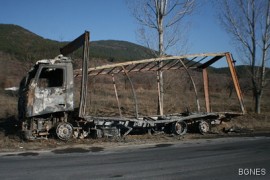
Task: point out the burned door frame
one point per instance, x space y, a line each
44 105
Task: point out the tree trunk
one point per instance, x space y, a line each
160 76
160 15
258 97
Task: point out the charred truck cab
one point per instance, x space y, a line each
46 97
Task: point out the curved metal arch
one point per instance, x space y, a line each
133 92
194 86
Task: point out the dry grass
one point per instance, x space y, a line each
252 121
178 91
178 95
8 104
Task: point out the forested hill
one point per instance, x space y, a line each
26 45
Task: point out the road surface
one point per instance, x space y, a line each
223 158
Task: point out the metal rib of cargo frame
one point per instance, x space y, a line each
192 61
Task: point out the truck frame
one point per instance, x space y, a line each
46 96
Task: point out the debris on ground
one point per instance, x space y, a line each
236 129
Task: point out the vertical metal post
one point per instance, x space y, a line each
206 89
116 95
235 82
84 82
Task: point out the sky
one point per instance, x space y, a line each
64 20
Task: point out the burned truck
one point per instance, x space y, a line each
46 97
46 103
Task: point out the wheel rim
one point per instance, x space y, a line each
180 128
64 131
204 127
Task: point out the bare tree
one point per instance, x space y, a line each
248 23
164 18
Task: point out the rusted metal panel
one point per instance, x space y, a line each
49 100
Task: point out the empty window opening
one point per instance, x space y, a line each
51 77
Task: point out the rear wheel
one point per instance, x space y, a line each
204 127
179 128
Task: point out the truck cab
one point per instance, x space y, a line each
46 94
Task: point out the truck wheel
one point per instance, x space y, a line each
204 127
64 131
179 128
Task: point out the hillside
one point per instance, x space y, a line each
243 71
21 45
118 50
25 45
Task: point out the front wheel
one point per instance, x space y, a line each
64 131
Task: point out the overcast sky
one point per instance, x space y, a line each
64 20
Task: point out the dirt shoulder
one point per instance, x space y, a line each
15 144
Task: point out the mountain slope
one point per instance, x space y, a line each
118 50
25 45
22 45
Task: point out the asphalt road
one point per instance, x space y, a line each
197 159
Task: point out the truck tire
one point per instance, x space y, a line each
64 131
204 127
179 128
